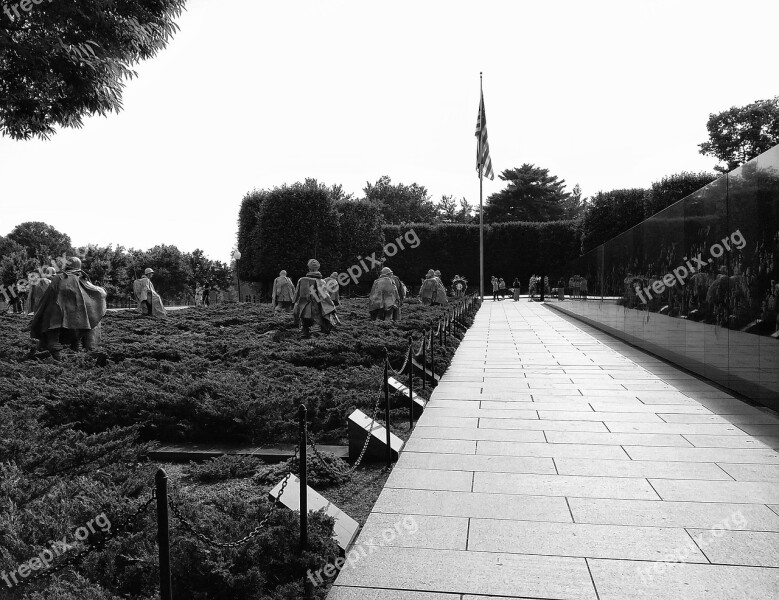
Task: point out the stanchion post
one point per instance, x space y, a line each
424 359
308 586
303 480
387 408
410 384
432 355
163 540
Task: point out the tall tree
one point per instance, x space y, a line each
610 213
64 60
739 134
401 203
41 241
574 205
466 212
673 188
532 194
360 224
447 209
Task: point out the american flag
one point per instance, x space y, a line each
482 146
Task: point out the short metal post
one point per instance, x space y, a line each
432 356
303 481
424 359
387 408
308 587
163 541
410 384
149 302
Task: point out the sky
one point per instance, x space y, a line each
254 94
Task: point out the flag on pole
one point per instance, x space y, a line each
482 146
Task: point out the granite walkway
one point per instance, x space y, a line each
556 462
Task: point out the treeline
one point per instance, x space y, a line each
283 227
31 246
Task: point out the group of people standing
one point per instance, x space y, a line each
499 289
314 300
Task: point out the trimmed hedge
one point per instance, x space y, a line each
514 249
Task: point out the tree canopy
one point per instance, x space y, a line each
739 134
401 203
532 194
61 61
610 213
41 241
673 188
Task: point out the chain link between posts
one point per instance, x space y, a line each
78 557
188 526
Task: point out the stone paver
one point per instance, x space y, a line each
554 461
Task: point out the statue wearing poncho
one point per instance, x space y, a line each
141 289
313 304
71 307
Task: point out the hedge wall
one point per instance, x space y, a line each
514 249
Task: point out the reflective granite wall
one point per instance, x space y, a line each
697 283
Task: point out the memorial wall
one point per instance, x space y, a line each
697 284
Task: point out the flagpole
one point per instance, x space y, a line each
481 214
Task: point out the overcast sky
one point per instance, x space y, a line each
254 94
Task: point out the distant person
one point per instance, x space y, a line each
334 287
198 295
142 288
439 296
502 287
206 298
384 296
401 287
283 294
495 288
70 310
428 289
38 287
313 305
516 288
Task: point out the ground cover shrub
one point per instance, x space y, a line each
231 373
220 468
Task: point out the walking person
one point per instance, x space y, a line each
502 288
495 287
283 293
313 305
516 288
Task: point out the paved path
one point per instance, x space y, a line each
556 462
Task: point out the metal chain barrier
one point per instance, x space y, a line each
78 557
353 468
188 526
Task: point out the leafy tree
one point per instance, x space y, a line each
171 267
739 134
466 212
610 213
203 270
107 267
673 188
64 60
271 239
360 223
401 203
532 194
41 241
574 205
8 246
14 267
447 209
